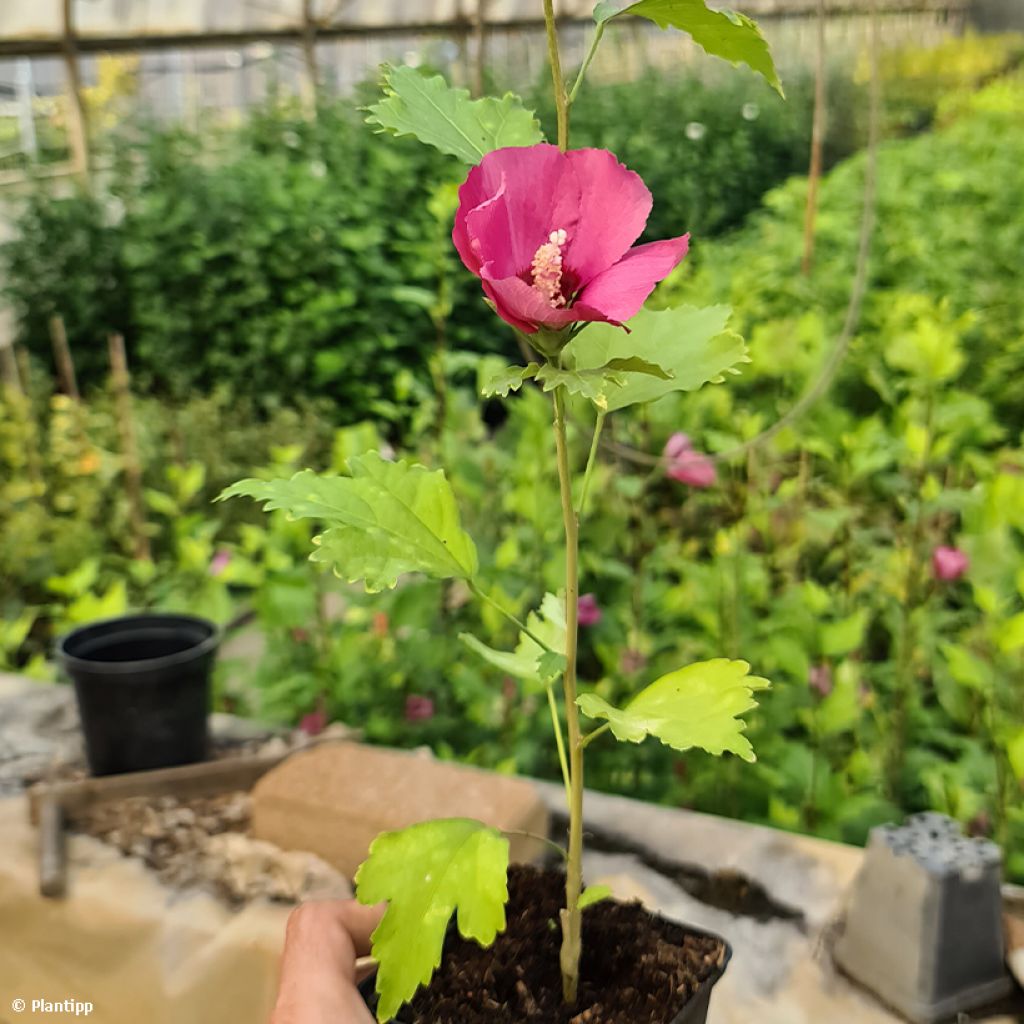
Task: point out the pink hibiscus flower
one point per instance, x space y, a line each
550 235
418 708
588 611
694 469
314 723
686 465
949 563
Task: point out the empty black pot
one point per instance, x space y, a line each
143 689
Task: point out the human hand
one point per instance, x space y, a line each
318 965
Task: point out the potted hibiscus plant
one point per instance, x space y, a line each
550 233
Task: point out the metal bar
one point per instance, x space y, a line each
767 10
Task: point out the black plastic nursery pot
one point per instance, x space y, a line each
143 689
695 1011
490 983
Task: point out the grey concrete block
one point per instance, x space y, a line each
924 925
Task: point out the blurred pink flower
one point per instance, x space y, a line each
588 612
550 235
820 679
949 563
219 562
677 444
314 723
631 661
418 709
692 468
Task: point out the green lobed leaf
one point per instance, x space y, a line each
634 364
529 661
727 34
690 344
592 383
696 706
511 378
426 873
448 119
386 519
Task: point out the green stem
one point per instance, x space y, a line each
535 836
591 736
557 79
560 743
511 618
594 43
571 916
591 461
912 600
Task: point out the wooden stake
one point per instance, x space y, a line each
9 369
129 449
33 456
78 131
480 57
62 357
311 81
817 141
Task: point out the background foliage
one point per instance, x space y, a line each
286 258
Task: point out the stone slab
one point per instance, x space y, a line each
336 799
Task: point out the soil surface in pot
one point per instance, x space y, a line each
636 969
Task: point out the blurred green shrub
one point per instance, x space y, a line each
287 256
948 229
709 150
915 79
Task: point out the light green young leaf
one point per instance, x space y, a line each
691 344
511 378
550 665
386 519
594 894
727 34
846 635
447 119
426 873
1010 635
967 668
696 706
1015 752
529 661
840 711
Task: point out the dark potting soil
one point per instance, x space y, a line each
636 968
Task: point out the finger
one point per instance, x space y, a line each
360 921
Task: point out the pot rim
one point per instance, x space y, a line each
129 623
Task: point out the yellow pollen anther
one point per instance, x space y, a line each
547 268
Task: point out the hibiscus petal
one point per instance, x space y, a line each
621 290
524 307
509 205
614 207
